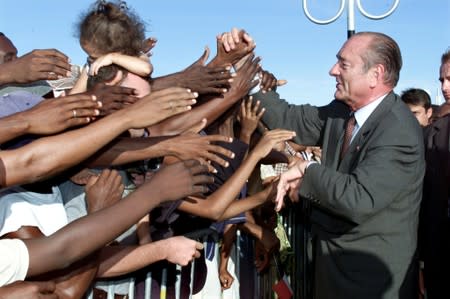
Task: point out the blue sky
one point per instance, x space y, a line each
291 46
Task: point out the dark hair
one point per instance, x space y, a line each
417 97
445 57
383 50
111 27
105 73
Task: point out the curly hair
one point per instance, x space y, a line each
111 27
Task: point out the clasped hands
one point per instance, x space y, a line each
289 182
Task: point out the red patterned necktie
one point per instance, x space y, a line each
348 134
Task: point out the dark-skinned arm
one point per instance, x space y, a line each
73 281
120 260
50 116
217 203
198 77
213 108
45 156
90 232
187 146
232 47
37 65
229 236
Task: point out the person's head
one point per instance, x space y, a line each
368 66
109 74
8 51
108 27
444 75
117 75
419 102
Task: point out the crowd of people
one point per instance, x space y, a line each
123 172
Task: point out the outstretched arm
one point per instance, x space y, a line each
37 65
229 236
120 260
232 47
189 146
90 233
50 117
29 289
198 77
213 108
136 65
45 156
217 203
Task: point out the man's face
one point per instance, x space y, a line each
423 115
353 81
7 50
444 77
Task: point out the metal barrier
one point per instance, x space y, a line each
297 231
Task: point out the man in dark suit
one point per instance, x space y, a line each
365 196
434 215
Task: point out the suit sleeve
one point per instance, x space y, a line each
390 168
303 119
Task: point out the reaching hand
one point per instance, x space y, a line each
55 115
270 140
249 116
269 81
181 250
104 190
193 146
233 46
270 188
29 290
290 181
101 61
196 128
82 177
39 65
244 80
113 98
204 79
179 180
160 105
226 279
148 45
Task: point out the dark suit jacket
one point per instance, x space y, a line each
434 222
365 208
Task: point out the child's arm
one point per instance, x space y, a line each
136 65
216 204
249 116
229 236
81 84
246 204
122 259
143 230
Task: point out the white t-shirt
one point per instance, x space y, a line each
14 261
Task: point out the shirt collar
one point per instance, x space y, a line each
362 114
